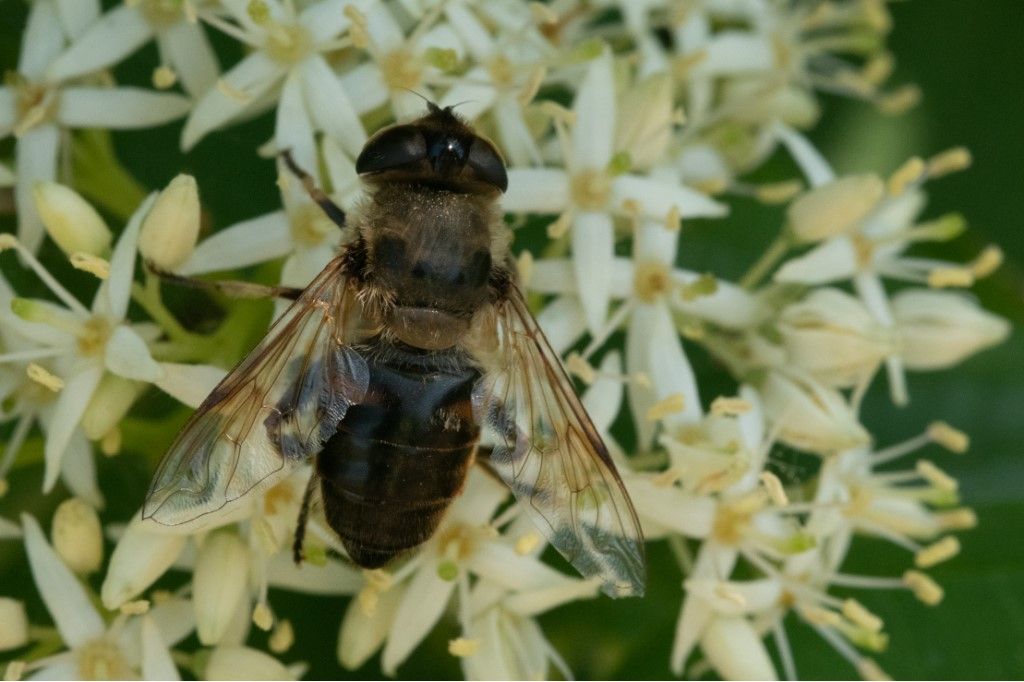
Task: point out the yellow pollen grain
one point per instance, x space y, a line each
15 670
773 486
94 265
936 476
723 406
560 227
164 77
462 647
110 443
282 638
262 617
963 518
819 616
950 161
924 588
43 377
378 579
987 262
937 552
581 368
868 669
651 281
949 437
778 192
672 404
730 595
135 608
231 92
942 278
527 542
857 614
909 173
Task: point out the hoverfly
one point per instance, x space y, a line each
388 366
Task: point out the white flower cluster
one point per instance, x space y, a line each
620 120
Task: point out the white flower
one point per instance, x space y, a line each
39 110
124 649
588 192
808 414
87 342
77 536
168 234
70 221
182 45
938 329
287 69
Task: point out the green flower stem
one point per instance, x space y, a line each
767 261
100 177
184 345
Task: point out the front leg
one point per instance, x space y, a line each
334 212
231 288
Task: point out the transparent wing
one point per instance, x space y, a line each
549 453
274 410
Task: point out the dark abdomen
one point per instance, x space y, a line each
398 459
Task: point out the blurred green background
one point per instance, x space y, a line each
967 58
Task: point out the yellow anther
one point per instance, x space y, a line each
949 161
963 518
924 588
581 368
899 100
527 542
463 647
378 579
819 616
231 92
908 174
878 69
15 670
858 615
778 192
773 486
524 266
367 600
560 227
110 443
7 241
729 594
531 86
987 262
282 638
936 476
942 278
94 265
44 378
135 608
937 552
948 437
262 617
723 406
672 404
164 77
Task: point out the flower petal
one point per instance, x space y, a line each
77 15
422 606
67 413
122 265
119 108
332 578
140 557
814 166
330 107
156 659
593 249
36 161
188 50
189 384
536 190
41 41
128 356
68 604
113 37
563 322
266 237
362 632
243 663
657 197
325 19
594 131
293 129
78 470
830 261
365 86
736 651
219 585
253 76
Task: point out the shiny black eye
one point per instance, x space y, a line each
391 148
486 164
448 149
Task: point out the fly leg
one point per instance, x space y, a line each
333 211
300 528
231 288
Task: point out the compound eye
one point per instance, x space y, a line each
486 164
390 148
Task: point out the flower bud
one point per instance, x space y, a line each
736 650
109 404
77 536
832 335
244 663
13 624
940 328
170 231
140 557
835 207
810 416
70 220
220 583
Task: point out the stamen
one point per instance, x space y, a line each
948 437
231 92
957 519
899 100
110 443
785 650
524 266
164 77
858 615
730 407
816 615
773 486
936 476
282 638
32 354
94 265
262 617
135 608
527 543
778 192
543 14
943 550
44 378
560 227
910 173
727 593
924 588
949 161
8 241
672 404
613 323
868 669
462 647
941 278
581 368
987 262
